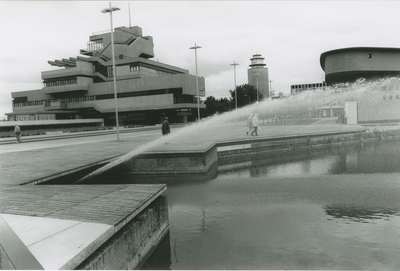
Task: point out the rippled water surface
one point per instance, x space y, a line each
336 208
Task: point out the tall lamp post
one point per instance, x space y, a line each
234 72
110 10
256 75
195 47
270 85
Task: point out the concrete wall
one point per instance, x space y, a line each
384 107
348 64
131 246
263 84
357 60
173 162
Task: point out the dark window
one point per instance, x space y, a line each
369 55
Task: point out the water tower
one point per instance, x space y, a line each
258 75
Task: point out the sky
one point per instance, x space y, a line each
290 35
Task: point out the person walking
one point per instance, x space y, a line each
17 132
249 124
165 127
255 125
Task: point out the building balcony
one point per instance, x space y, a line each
68 72
66 88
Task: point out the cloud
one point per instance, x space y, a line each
291 35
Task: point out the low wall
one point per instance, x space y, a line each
156 163
166 164
131 246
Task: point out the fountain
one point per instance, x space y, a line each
369 93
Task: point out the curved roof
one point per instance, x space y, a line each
323 55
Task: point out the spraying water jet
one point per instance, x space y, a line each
302 105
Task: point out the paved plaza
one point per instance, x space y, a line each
29 161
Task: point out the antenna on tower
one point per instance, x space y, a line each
129 8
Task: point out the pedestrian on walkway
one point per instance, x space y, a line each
17 132
249 124
255 125
165 127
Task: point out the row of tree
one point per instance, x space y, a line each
246 94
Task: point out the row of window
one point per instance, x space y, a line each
34 118
107 96
63 100
308 86
60 82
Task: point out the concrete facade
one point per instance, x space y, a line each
147 90
257 75
349 64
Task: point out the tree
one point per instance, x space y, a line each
272 93
216 106
246 94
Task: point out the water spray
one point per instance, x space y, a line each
301 104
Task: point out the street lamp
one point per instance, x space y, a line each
234 72
110 10
256 75
195 47
270 85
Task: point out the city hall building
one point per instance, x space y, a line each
83 89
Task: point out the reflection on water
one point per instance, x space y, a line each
363 158
357 214
336 208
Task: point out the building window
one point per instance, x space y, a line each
109 71
369 55
95 45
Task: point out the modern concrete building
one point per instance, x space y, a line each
346 65
349 64
258 75
82 88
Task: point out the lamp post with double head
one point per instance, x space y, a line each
111 10
195 47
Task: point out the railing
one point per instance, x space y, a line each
13 252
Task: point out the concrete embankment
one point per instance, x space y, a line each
204 161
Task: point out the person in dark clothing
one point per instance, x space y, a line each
165 127
17 132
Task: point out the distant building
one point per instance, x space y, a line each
349 64
147 90
258 75
346 65
295 89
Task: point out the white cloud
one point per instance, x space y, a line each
291 35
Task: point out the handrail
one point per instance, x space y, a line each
14 250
